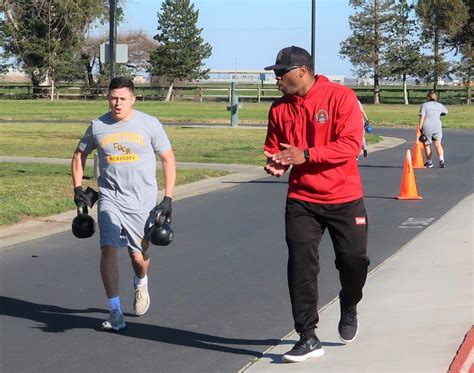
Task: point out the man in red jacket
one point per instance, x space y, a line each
315 128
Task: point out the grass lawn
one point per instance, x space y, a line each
190 144
28 190
215 145
84 111
460 116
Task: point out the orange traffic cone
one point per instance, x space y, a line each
417 159
408 187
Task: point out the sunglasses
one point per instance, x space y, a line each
280 72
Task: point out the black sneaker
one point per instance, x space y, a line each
428 165
441 164
306 347
348 325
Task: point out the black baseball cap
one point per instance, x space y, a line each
291 56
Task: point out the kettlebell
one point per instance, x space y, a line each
83 225
161 233
423 138
368 128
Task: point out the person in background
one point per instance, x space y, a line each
315 130
365 120
430 124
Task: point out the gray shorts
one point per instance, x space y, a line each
432 136
122 229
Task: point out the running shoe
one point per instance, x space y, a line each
115 321
348 324
141 302
305 348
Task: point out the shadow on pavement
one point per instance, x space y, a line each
58 320
380 197
277 358
375 166
256 182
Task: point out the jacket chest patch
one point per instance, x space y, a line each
321 116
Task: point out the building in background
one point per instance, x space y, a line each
14 76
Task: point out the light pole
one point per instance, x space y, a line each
112 37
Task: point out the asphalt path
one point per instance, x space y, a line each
219 295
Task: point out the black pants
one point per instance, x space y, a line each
305 225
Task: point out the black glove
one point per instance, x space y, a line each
422 137
85 198
92 196
80 199
165 207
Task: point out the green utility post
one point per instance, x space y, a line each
234 105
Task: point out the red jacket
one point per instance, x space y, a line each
327 121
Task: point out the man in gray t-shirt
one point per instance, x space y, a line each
127 142
430 124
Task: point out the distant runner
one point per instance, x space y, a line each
430 124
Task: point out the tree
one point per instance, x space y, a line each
139 44
366 45
462 44
89 58
140 47
45 35
181 49
441 20
402 55
4 56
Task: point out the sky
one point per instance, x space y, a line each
247 34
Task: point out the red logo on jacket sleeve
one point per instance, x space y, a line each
360 220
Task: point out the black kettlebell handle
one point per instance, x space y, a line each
82 210
160 219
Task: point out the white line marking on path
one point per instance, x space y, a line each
418 223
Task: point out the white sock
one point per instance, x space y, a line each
114 303
441 158
140 281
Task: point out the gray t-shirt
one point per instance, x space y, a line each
127 160
432 110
